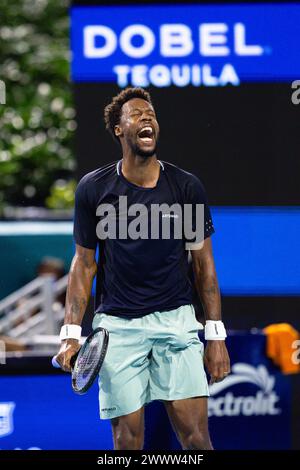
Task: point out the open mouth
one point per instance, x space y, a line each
146 135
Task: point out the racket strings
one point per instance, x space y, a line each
88 362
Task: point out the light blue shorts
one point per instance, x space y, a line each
156 357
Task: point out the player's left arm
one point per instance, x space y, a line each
216 357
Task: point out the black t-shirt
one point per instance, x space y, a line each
139 276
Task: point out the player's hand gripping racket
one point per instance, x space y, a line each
87 362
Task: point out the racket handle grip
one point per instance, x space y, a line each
55 363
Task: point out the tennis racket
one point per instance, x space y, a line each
87 362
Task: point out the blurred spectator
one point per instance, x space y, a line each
52 266
48 266
56 268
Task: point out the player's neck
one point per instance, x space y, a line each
141 171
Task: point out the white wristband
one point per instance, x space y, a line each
70 332
214 330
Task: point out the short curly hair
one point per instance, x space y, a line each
112 112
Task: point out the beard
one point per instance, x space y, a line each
144 153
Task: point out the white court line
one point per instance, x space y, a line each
36 228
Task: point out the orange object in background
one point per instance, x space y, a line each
281 347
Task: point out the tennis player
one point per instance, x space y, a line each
143 292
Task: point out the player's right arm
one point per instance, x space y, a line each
82 272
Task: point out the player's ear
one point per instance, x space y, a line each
118 131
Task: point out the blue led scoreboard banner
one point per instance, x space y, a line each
185 44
